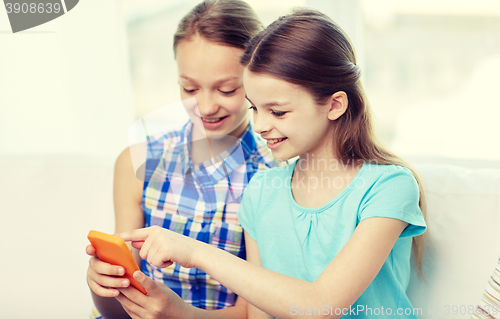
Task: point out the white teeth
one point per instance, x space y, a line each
212 120
276 140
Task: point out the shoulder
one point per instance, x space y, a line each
395 175
128 161
164 140
392 191
272 177
131 163
389 185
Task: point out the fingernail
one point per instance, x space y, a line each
137 275
121 271
125 283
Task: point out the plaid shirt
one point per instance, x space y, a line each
200 201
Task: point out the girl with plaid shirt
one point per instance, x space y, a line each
193 178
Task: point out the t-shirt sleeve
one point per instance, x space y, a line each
247 212
395 195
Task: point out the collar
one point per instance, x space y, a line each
222 165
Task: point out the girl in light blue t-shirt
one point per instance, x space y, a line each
334 229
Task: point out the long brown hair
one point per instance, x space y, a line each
308 49
226 22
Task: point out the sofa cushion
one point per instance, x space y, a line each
463 226
49 204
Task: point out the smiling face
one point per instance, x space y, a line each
212 74
287 116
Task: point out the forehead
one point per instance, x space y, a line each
202 60
263 88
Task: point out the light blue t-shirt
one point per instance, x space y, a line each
300 242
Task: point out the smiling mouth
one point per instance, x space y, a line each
214 120
276 140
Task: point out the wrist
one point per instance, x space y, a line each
203 254
192 312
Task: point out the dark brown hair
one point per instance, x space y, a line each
226 22
308 49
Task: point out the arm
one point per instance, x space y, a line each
127 193
254 258
339 285
161 301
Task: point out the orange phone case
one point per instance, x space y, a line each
113 250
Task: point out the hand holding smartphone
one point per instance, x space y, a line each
114 250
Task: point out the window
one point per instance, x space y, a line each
430 68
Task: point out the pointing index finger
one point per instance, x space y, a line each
135 235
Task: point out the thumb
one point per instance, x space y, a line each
90 250
146 282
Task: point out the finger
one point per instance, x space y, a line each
137 244
135 235
106 275
135 296
158 257
104 268
97 288
102 291
148 283
146 246
90 250
131 314
106 281
128 305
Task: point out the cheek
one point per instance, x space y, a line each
301 129
235 105
190 105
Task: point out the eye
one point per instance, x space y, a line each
189 91
277 114
227 92
253 108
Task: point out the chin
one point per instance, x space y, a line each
282 156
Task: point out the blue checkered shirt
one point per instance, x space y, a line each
200 201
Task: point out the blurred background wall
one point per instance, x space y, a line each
430 68
75 84
65 86
70 90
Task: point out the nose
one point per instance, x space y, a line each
207 104
261 125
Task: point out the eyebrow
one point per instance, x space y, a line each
216 82
268 104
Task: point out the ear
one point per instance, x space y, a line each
337 104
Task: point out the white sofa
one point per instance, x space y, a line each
464 229
50 203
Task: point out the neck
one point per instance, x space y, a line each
324 163
205 146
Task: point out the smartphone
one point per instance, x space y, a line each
113 250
